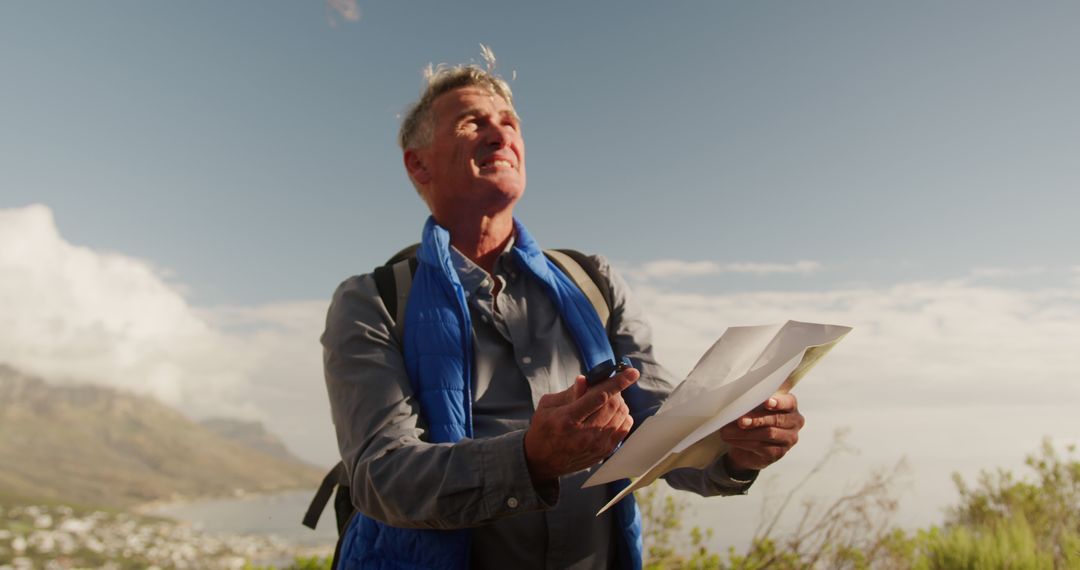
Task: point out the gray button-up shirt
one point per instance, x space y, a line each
522 351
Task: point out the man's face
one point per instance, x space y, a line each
476 161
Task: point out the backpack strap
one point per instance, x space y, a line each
393 279
584 273
408 252
335 477
394 282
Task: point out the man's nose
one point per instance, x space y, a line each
498 136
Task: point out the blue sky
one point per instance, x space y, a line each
208 172
249 146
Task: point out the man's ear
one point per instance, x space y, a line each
414 165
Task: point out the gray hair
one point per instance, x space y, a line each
417 128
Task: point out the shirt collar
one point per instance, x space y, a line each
472 276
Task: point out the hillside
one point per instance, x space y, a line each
250 434
93 445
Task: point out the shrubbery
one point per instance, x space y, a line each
1001 521
301 563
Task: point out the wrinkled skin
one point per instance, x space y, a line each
576 428
764 435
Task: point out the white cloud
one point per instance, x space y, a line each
347 9
677 269
912 340
72 313
955 375
986 273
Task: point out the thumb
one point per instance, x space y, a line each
580 386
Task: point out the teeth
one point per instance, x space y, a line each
501 163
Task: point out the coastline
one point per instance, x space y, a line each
147 508
276 514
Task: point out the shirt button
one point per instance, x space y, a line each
485 318
512 502
526 360
485 283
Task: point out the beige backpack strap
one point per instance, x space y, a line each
577 273
403 282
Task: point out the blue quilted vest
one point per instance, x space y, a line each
438 358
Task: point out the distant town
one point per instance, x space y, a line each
59 537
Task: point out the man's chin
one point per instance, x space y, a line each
502 191
499 200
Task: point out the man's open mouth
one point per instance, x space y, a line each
497 164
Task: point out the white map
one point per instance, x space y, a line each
737 374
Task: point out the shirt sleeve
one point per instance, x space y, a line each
395 475
631 336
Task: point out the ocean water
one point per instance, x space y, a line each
278 514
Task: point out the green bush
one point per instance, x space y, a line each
300 563
1002 521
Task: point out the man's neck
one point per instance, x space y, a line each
482 239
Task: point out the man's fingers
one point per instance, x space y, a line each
620 381
764 435
780 410
622 431
759 436
778 402
580 386
781 403
606 414
600 394
778 420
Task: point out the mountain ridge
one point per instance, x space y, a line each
252 434
94 445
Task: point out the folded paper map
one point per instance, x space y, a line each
737 374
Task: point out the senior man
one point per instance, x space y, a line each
467 439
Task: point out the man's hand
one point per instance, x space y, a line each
764 435
576 428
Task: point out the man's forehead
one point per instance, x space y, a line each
471 98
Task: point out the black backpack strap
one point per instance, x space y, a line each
318 503
394 283
586 275
386 278
405 253
342 525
